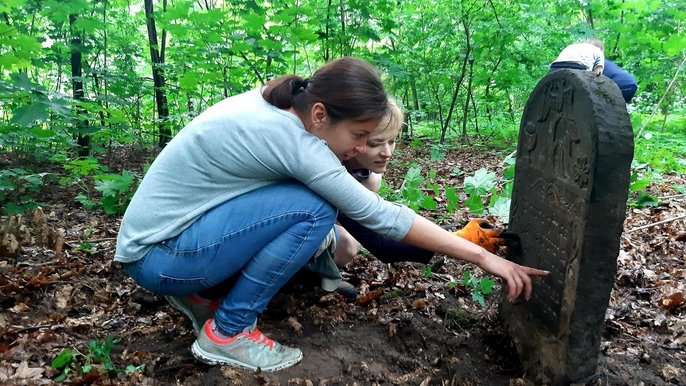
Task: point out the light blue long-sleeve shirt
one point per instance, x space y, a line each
241 144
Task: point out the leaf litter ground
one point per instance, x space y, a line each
406 328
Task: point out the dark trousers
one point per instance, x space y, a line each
385 249
572 65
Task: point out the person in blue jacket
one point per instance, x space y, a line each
625 81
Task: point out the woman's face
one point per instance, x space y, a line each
380 148
346 138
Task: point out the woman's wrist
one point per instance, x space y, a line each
480 257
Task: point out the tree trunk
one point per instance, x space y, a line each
415 97
463 71
157 59
342 40
465 110
327 43
435 91
82 137
488 89
407 125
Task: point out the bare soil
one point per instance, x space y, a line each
406 328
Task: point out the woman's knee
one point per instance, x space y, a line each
346 249
311 201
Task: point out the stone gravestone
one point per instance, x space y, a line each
568 206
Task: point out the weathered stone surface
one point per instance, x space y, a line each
568 206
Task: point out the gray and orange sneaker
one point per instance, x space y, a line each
197 309
250 349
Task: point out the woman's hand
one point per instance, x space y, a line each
517 277
427 235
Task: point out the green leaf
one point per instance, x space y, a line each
675 45
645 199
429 203
437 153
63 359
110 204
7 5
27 115
486 285
453 200
475 205
6 184
13 208
680 189
22 82
480 183
189 80
413 177
501 208
509 173
114 184
507 189
85 201
42 133
64 376
466 279
131 369
479 298
640 184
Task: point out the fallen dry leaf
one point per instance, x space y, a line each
232 375
671 373
673 301
370 297
419 304
20 308
26 372
62 296
295 325
5 373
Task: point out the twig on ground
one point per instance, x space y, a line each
41 264
92 240
628 240
673 196
655 223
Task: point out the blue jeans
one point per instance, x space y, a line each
261 238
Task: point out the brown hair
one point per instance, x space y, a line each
349 88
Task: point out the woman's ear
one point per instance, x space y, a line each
318 114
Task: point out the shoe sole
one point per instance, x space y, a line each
213 359
181 308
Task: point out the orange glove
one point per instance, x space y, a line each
482 233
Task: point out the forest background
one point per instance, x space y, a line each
82 77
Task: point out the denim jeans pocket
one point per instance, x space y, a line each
182 286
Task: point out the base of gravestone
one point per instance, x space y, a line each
547 360
568 206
